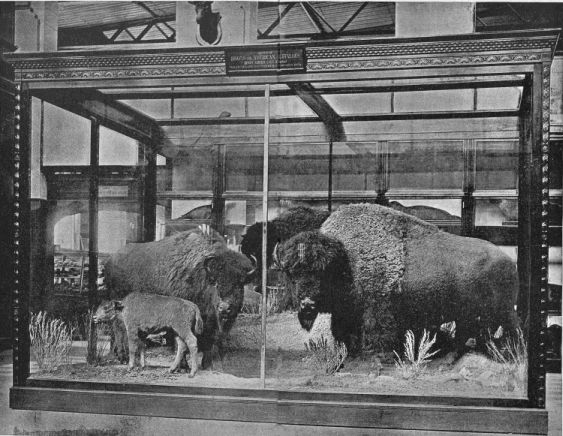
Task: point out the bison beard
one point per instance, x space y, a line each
390 272
192 266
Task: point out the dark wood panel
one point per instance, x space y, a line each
277 394
285 411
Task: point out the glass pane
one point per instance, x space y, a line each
355 166
299 167
117 149
243 167
496 165
66 137
426 165
349 272
421 166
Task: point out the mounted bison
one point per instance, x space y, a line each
288 224
143 314
190 265
380 272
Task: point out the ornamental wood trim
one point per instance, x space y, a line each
377 54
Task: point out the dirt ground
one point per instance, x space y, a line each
288 368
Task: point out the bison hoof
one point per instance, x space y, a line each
191 374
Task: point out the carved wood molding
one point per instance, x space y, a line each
427 61
334 56
381 47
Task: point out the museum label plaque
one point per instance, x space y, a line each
269 60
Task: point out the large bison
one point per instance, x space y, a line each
194 266
380 272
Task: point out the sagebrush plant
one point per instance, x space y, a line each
51 341
512 355
414 363
325 357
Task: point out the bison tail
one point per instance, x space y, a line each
198 327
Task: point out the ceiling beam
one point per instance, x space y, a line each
388 116
110 113
316 18
345 88
354 15
277 21
324 111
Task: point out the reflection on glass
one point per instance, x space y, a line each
496 212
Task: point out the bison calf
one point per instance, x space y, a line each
144 314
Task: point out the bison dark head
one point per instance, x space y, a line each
318 269
251 247
227 273
290 223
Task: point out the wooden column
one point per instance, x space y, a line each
218 188
330 166
7 92
265 172
468 200
21 232
382 172
149 196
532 226
93 234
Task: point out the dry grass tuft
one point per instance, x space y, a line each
513 356
273 303
51 341
414 364
327 358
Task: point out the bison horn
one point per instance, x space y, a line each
276 257
209 264
253 270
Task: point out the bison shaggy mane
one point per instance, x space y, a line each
288 224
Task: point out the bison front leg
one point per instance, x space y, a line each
133 347
142 347
181 348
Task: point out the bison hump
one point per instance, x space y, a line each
375 238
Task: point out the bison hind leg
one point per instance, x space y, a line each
181 348
191 342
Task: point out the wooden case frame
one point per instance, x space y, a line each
78 75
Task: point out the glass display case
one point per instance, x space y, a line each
404 257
